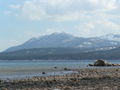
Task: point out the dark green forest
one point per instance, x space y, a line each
60 54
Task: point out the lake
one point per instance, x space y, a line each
28 68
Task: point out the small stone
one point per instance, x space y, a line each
43 73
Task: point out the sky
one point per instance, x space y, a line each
21 20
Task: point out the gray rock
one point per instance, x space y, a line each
100 63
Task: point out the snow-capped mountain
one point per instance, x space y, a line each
113 37
64 40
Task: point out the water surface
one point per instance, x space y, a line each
28 68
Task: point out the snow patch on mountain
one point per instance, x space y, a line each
65 40
113 37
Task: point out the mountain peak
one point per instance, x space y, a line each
59 34
60 40
52 35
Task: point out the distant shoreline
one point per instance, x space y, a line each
54 59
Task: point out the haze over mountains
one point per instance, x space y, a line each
65 46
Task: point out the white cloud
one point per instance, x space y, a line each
60 3
97 28
30 34
111 26
104 4
33 11
84 29
39 9
93 1
94 16
70 16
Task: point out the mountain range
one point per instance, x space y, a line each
64 40
65 46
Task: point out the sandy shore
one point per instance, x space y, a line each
23 73
85 79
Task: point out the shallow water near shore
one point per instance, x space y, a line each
13 69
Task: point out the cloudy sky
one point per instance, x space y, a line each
23 19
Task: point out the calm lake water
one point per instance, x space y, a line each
20 68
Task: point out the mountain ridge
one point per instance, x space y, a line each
65 40
60 54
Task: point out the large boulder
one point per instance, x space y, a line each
100 63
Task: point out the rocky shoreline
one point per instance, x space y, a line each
101 62
85 79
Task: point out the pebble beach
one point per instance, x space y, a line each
85 79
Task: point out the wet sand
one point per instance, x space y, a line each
26 73
85 79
